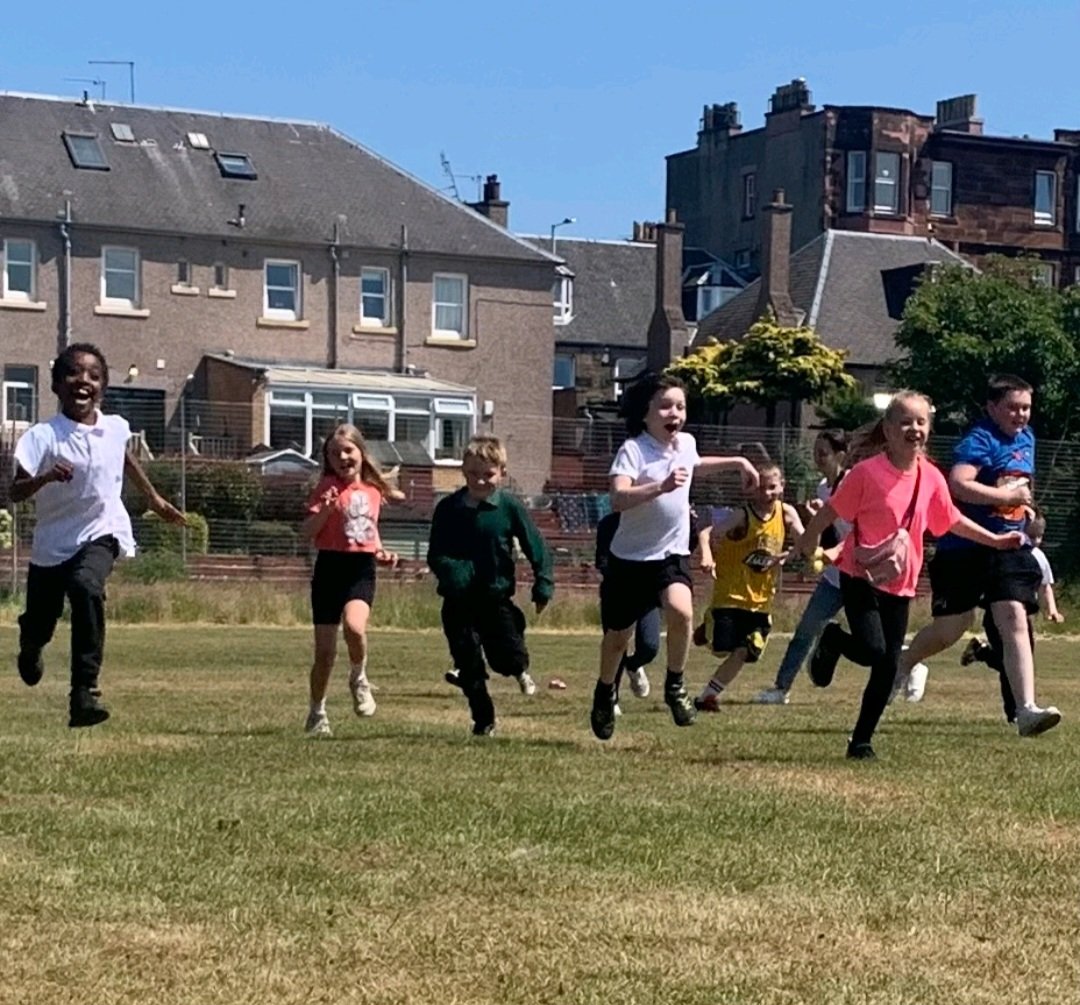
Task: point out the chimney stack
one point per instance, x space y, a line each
495 208
644 232
958 114
775 289
668 332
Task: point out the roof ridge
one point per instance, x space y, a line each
823 273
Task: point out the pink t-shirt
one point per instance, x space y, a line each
354 524
875 496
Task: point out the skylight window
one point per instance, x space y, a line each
198 141
85 151
122 132
236 165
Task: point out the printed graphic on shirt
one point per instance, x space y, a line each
1012 480
360 527
759 560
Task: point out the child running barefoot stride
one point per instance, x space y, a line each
343 524
73 465
648 565
892 499
747 561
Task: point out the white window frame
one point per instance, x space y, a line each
1044 274
891 208
1045 218
281 313
635 364
563 300
6 385
224 275
123 302
382 320
941 185
450 333
451 409
749 209
7 293
569 358
855 198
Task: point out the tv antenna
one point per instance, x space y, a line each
92 81
452 187
129 63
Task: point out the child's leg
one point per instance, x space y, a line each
612 650
322 665
824 604
993 655
678 603
646 641
502 635
724 674
86 577
44 605
355 622
462 637
1010 619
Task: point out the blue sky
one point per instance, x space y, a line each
573 105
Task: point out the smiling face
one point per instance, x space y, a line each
482 477
1012 413
344 457
827 460
769 490
666 414
80 387
906 426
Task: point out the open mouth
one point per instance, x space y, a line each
673 426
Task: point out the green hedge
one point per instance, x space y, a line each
229 490
253 537
154 534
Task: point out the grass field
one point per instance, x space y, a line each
197 848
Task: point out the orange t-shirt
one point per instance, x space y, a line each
354 524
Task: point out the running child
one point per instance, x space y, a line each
343 524
892 499
471 553
73 466
649 562
749 556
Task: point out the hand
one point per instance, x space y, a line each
330 497
830 556
540 605
813 505
1019 495
167 511
390 558
61 471
1011 541
708 564
675 478
1055 616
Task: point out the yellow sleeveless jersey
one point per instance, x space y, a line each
745 576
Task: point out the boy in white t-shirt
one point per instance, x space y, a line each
74 466
648 564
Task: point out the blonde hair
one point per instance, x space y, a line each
869 440
488 449
370 473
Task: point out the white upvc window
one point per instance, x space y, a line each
120 286
886 182
455 423
626 369
448 301
941 188
563 297
18 396
375 297
749 195
20 270
856 181
281 290
1045 198
565 375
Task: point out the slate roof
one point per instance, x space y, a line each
852 288
308 175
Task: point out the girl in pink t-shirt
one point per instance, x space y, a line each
895 491
343 524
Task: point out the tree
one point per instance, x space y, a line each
846 408
960 327
771 364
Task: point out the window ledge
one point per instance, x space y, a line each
218 294
121 312
184 291
22 305
374 330
449 342
282 323
446 462
944 218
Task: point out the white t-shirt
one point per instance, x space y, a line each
831 575
71 514
660 527
1044 566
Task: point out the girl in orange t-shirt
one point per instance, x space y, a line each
343 524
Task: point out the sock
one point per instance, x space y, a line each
319 707
673 680
358 672
604 692
714 687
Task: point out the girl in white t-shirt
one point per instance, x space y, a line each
74 466
648 564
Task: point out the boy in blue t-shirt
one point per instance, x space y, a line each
991 480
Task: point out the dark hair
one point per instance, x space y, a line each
1002 383
837 440
64 364
640 393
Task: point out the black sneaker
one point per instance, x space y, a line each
824 659
31 666
602 717
682 708
86 708
453 678
860 752
483 729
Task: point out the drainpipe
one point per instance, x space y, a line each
65 234
403 277
335 266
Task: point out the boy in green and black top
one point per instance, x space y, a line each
471 553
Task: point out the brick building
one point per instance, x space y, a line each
179 240
880 171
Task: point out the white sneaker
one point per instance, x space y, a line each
317 724
1033 721
527 684
615 708
915 687
898 685
770 696
363 702
639 682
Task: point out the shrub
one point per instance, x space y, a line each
218 489
152 567
268 537
154 534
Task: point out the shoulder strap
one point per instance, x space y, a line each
909 516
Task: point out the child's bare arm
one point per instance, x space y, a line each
747 472
154 499
1048 603
793 522
24 485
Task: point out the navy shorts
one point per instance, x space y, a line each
340 576
736 628
631 589
962 579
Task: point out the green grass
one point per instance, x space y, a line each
197 848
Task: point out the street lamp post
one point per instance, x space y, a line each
567 220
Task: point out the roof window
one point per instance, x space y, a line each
236 165
122 132
198 141
85 151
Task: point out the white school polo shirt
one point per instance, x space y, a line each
71 514
661 526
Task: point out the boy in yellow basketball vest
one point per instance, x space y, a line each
748 558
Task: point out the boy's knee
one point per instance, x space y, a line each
85 585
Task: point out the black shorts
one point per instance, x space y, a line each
631 589
340 576
735 628
965 578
